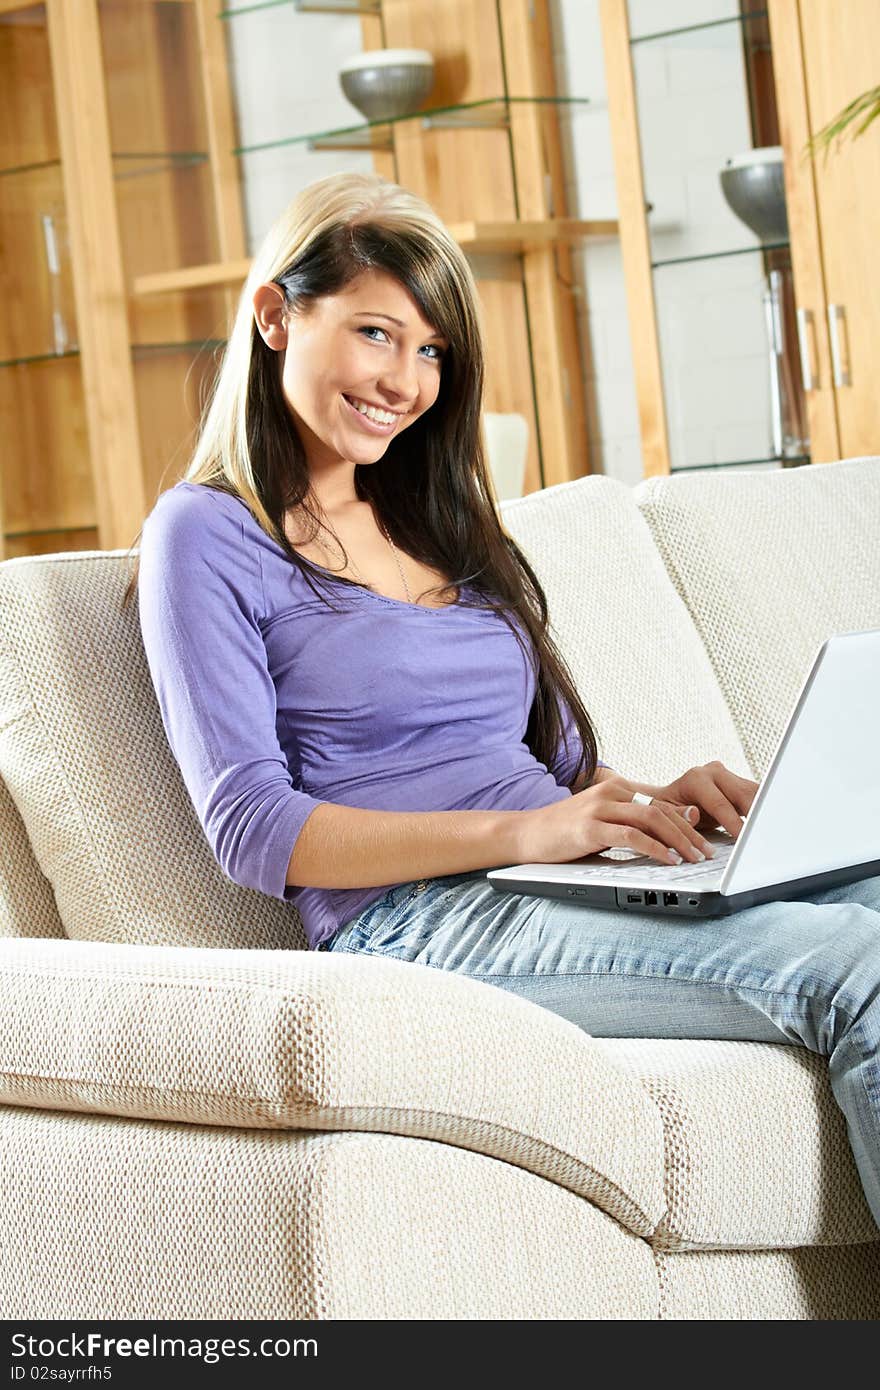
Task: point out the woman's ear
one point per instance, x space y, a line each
270 317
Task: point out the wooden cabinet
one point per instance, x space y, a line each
45 460
801 62
825 56
113 130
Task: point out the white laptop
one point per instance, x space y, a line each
814 822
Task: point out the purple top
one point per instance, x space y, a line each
273 703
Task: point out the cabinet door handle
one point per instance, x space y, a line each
806 339
839 345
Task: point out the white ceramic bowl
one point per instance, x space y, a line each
388 82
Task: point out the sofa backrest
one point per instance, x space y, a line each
85 757
629 641
27 904
770 565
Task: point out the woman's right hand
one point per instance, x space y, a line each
604 816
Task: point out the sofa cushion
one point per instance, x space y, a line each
833 1284
756 1148
27 905
84 755
770 565
636 658
302 1040
125 1219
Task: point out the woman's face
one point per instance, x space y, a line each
353 377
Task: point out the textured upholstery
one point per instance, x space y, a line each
741 1174
770 565
27 905
636 659
85 757
758 1285
295 1040
131 1219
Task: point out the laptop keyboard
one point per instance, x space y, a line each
641 868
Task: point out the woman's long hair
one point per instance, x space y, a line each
432 488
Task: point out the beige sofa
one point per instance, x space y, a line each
201 1119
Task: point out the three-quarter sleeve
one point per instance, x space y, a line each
201 598
564 764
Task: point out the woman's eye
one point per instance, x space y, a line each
437 353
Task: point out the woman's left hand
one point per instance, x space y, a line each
720 796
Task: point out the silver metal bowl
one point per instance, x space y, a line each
754 188
388 82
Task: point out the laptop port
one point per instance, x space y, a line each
651 899
693 902
634 897
670 899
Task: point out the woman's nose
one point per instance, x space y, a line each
400 379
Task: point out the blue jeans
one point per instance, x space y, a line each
805 973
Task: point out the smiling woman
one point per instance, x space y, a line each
350 384
346 425
365 754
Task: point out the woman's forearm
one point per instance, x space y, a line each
601 775
347 847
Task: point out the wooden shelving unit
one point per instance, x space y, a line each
119 121
128 112
822 58
489 177
492 167
486 237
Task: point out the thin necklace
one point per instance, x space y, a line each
354 567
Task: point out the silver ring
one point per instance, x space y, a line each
642 799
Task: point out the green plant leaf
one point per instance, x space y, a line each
823 139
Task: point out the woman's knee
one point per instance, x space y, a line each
831 969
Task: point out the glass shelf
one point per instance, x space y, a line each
718 255
683 160
138 350
197 345
40 357
51 531
742 18
306 7
149 163
30 168
490 113
157 163
729 399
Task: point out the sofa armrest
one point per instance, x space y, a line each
307 1040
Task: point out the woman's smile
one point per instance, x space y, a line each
368 422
